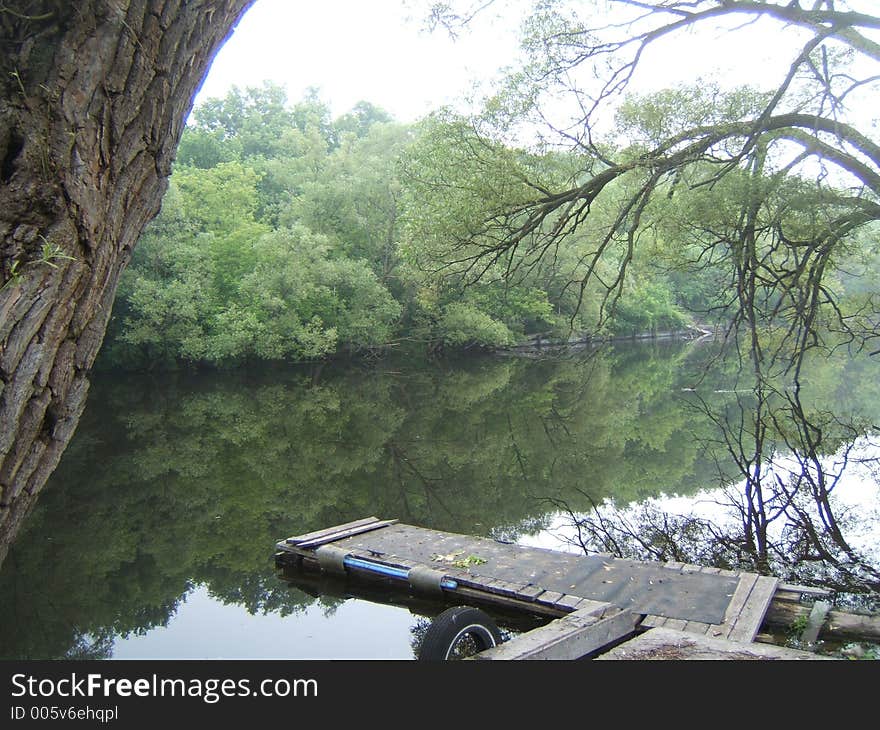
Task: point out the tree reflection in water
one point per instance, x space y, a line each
797 498
180 482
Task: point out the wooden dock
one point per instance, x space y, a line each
591 605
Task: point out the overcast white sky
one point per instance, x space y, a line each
374 50
357 50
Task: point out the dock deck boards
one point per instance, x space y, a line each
664 643
703 601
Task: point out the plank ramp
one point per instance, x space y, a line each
573 636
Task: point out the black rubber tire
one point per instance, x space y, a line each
454 625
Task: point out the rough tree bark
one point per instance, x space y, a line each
93 99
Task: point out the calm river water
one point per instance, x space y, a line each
155 536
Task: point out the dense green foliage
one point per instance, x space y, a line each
286 235
266 246
289 235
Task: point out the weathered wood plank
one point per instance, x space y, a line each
493 586
653 621
786 595
468 594
351 531
663 643
572 602
696 627
549 597
529 592
297 539
510 589
806 590
750 618
737 603
839 625
815 621
506 588
594 608
571 637
675 623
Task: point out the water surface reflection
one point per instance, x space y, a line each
155 535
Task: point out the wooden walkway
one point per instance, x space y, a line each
604 599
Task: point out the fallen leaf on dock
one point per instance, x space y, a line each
451 558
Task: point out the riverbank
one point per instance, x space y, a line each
544 342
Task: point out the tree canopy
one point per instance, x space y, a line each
773 187
287 234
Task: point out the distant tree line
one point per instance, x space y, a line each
289 235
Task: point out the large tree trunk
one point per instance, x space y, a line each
93 98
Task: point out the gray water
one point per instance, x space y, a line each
155 536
